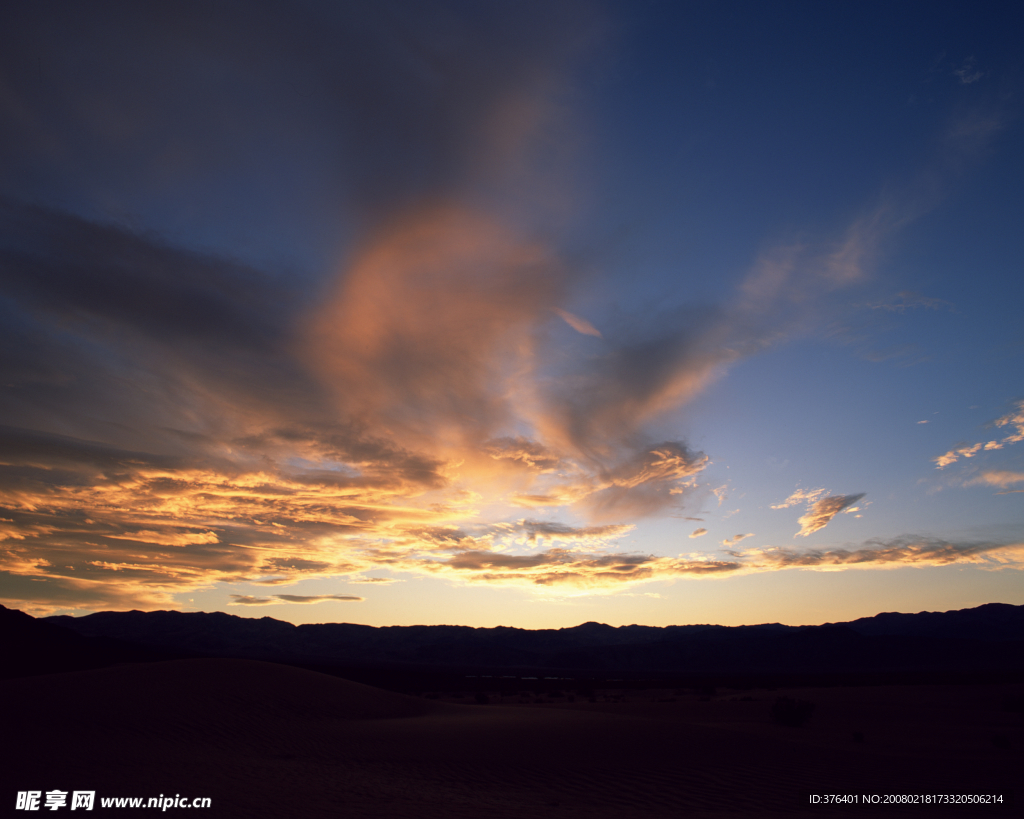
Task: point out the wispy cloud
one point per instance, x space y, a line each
799 496
821 512
1013 420
731 541
562 567
278 599
998 477
698 532
967 72
552 530
580 325
821 507
909 300
906 550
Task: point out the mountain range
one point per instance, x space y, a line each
985 638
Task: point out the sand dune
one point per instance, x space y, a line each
265 740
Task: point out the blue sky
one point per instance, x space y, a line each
480 313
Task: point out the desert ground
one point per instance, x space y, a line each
267 740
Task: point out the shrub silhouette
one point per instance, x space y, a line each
793 713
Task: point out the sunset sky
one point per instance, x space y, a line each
512 313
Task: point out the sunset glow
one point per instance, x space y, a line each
531 315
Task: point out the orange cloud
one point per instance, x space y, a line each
821 512
580 325
431 329
1014 420
809 496
168 538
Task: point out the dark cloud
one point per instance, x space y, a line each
646 482
317 598
597 408
294 564
553 529
906 550
79 272
40 594
385 104
277 599
569 567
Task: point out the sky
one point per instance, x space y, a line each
511 313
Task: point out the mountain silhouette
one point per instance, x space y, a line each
989 637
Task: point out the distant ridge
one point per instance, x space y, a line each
988 637
34 646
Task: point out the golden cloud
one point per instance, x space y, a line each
821 512
1014 420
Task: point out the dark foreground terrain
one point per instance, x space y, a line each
124 717
267 740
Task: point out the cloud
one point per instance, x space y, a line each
31 589
562 567
317 598
953 455
998 477
1013 419
821 512
821 507
645 483
906 550
967 73
595 571
249 600
530 454
580 325
909 300
808 496
182 409
277 599
169 538
430 324
552 530
698 532
736 539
